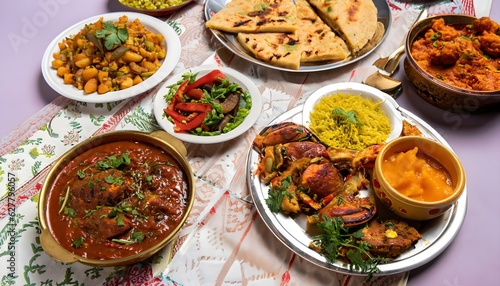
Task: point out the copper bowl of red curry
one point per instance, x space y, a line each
446 72
116 198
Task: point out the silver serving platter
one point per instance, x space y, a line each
437 234
230 42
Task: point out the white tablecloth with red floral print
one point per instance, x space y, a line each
224 241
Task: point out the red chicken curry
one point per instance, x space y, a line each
116 200
464 56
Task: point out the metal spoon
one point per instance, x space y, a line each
385 83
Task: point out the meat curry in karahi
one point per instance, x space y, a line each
116 200
464 56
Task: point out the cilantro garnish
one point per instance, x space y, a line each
119 220
78 242
112 35
276 196
135 237
336 237
80 174
349 116
113 180
114 162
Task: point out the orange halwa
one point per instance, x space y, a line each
417 176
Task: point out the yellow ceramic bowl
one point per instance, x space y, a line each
160 140
411 208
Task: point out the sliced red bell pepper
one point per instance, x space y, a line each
325 200
193 107
196 122
195 94
179 95
176 115
209 78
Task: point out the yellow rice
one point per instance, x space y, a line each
335 131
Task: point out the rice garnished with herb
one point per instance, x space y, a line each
349 121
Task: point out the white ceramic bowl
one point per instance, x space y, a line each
247 84
172 44
389 105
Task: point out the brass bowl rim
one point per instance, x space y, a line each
415 32
169 144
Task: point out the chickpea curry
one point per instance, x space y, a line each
107 56
463 56
116 200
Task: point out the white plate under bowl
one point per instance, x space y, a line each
389 105
172 45
160 104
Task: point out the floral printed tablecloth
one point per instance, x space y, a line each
224 240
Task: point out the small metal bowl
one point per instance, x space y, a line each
160 140
155 12
437 92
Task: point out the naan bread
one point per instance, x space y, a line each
255 16
279 49
354 20
318 41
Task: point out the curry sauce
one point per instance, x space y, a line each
116 200
463 56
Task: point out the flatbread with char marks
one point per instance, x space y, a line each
318 41
279 49
255 16
354 20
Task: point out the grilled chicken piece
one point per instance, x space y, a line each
354 210
94 190
101 226
297 150
390 238
341 157
410 130
355 182
366 158
321 180
282 133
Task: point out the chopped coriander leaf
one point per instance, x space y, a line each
336 237
137 236
112 213
69 212
80 174
140 195
114 162
276 196
119 220
78 242
113 180
112 35
349 116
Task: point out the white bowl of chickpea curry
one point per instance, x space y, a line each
111 57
